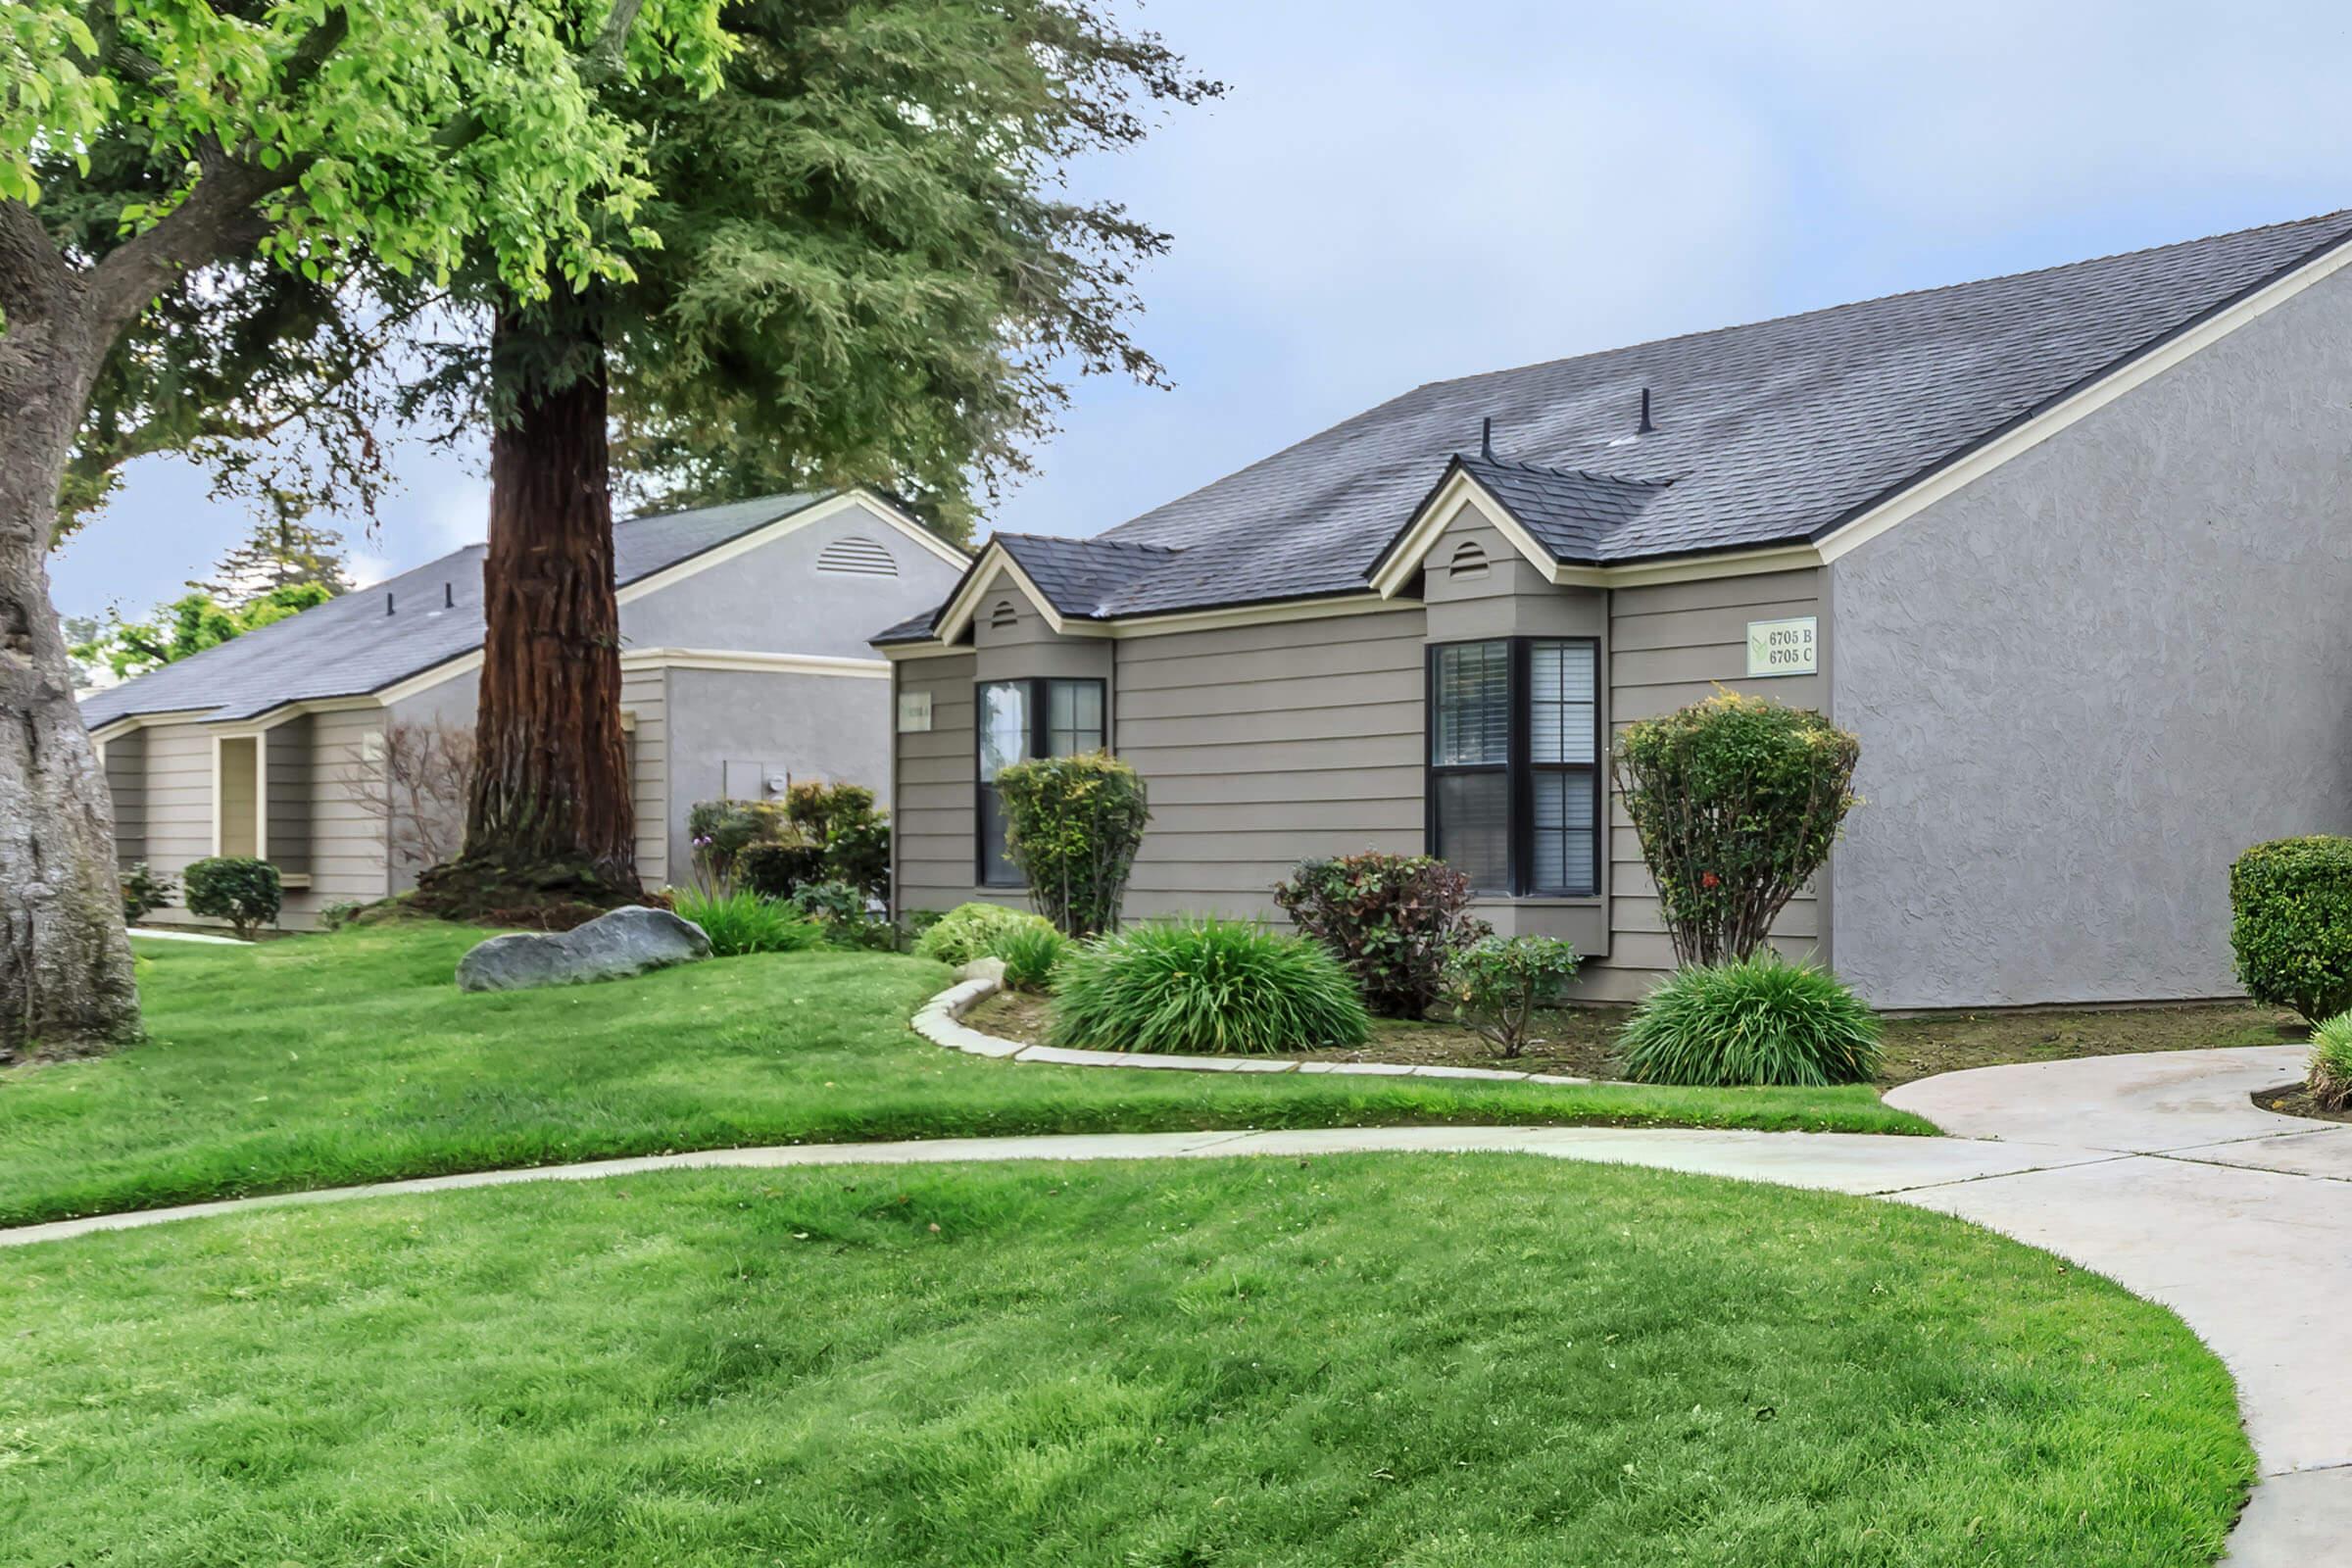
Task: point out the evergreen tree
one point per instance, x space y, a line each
281 552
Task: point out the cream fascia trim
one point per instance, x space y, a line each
1933 488
751 661
979 582
1255 615
792 522
1457 495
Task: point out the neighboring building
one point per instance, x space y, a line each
743 662
2068 550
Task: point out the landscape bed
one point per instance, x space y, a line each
1264 1360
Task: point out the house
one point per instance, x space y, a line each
2067 550
743 662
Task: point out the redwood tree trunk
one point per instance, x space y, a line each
66 986
550 812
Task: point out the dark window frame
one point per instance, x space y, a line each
1036 693
1519 768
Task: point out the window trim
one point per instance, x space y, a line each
1038 695
1519 769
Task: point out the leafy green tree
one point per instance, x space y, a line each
189 624
868 270
143 141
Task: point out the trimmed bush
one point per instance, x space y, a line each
243 890
1031 954
778 870
1205 987
1737 801
721 830
1759 1020
2290 904
144 892
971 931
2330 1080
743 921
1393 920
1072 824
851 833
841 910
1497 985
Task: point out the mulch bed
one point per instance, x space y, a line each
2295 1100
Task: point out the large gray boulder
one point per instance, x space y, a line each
611 947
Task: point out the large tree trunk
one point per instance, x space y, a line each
65 985
550 816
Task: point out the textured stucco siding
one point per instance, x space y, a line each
1672 645
2085 681
831 728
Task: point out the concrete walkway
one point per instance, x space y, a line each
2155 1170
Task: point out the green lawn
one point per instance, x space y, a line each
324 1060
1423 1360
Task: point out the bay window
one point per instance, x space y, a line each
1514 764
1020 720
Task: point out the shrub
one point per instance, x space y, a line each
840 910
971 931
2290 903
1497 985
1737 801
778 871
2331 1081
144 892
1031 954
743 921
1205 987
851 833
340 913
722 829
1752 1021
243 890
1393 920
1072 824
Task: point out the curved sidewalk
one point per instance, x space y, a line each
2155 1170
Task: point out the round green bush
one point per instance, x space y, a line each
239 889
2330 1080
2290 905
1205 987
1759 1022
1499 983
971 931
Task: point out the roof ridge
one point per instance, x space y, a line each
2339 214
1089 541
1588 476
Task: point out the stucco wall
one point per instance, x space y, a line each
807 726
2087 681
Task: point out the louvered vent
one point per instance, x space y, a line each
856 556
1469 560
1004 614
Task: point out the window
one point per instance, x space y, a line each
1514 764
1020 720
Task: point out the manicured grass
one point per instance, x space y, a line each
1410 1359
325 1060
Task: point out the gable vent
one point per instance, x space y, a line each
1469 560
1004 614
856 556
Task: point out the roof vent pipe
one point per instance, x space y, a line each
1486 438
449 596
388 601
1648 428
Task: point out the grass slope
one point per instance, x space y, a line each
325 1060
1408 1360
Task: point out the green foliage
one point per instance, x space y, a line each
1499 983
2330 1072
1737 801
778 871
1073 825
335 916
720 831
971 931
144 892
1393 919
841 911
1031 954
743 921
852 832
243 890
190 624
1754 1020
2290 903
1202 988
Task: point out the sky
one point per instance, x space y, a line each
1399 191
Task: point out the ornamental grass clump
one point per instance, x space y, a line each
1759 1022
1031 953
743 921
1737 801
1205 987
2331 1081
2291 925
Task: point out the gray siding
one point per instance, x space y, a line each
2085 682
125 766
289 769
645 698
347 847
932 777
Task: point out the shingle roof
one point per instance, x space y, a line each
1770 433
349 647
1082 576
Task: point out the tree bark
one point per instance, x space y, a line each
550 812
65 981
